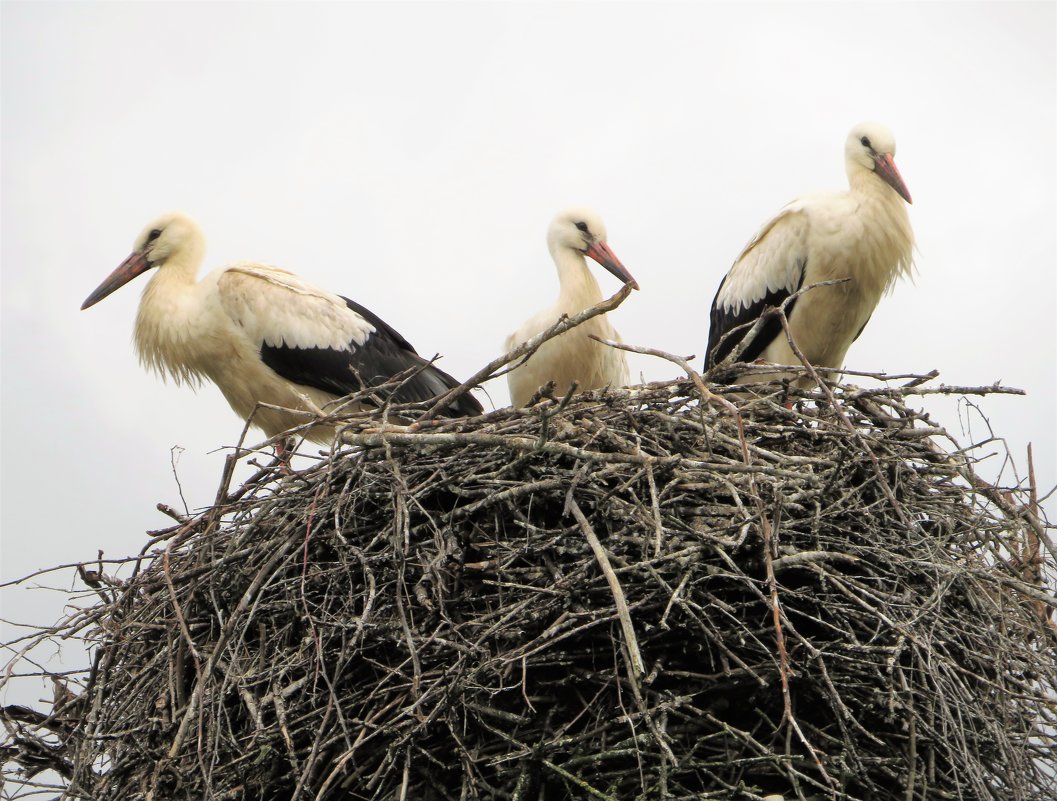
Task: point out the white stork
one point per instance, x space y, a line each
262 334
572 356
863 234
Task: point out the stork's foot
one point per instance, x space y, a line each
284 452
787 402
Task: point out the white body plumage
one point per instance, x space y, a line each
260 333
213 328
572 357
863 234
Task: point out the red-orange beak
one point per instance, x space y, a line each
128 269
601 253
886 168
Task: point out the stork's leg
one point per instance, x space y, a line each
786 400
284 452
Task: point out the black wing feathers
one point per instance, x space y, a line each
383 356
379 324
724 320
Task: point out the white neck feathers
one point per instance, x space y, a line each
166 324
578 288
890 237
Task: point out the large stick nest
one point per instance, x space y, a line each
615 597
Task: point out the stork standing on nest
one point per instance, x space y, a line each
572 357
263 335
863 234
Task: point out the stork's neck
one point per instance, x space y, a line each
168 322
578 288
869 184
168 294
888 225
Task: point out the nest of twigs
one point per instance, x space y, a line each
635 594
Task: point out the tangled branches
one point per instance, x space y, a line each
630 594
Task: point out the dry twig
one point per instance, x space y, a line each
416 616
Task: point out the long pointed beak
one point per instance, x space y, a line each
128 269
601 253
886 168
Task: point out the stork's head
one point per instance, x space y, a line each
871 146
172 238
582 231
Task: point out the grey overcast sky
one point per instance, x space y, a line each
410 156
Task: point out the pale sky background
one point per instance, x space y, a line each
411 155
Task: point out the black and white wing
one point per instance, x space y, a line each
325 341
770 268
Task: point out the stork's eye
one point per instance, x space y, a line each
582 226
865 141
154 234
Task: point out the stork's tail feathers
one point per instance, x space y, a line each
432 382
464 406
